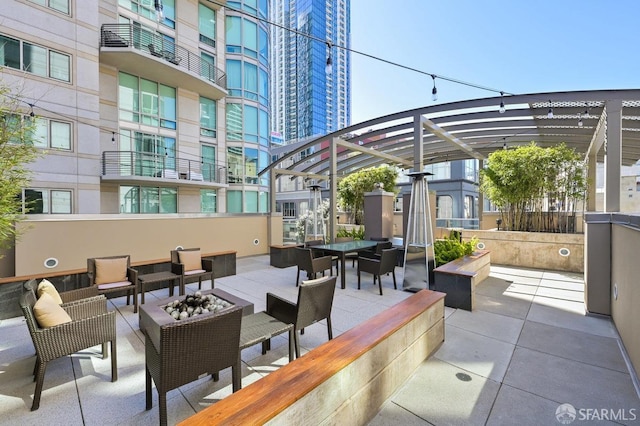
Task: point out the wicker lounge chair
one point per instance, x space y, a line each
315 299
189 348
318 253
113 274
67 296
306 262
378 266
191 265
91 324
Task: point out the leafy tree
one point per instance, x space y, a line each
352 188
16 150
535 189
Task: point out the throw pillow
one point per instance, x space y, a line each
111 270
190 259
48 313
45 286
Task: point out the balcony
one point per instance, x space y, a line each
138 51
132 167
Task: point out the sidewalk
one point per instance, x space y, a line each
525 350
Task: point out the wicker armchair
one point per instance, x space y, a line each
91 324
127 277
202 268
379 265
306 262
315 299
189 348
71 296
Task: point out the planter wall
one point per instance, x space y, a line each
537 250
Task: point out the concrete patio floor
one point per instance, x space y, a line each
526 349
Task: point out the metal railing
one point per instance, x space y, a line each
144 164
140 38
472 223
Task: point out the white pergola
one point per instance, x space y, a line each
602 125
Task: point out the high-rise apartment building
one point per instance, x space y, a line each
311 69
141 106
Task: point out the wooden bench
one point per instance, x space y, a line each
345 380
458 278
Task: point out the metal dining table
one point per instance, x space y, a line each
341 249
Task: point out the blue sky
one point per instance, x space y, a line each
512 45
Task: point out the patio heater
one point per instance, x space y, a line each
419 257
315 225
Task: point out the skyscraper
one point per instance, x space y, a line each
311 69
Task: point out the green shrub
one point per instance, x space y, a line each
451 248
356 233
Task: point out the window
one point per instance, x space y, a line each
51 134
208 201
208 66
153 153
444 207
234 34
289 209
207 117
234 121
251 201
57 5
46 201
250 81
234 77
251 166
34 59
234 201
263 87
263 202
145 101
263 44
208 162
234 164
250 38
251 124
147 9
207 25
144 199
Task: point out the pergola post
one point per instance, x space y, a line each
613 156
333 184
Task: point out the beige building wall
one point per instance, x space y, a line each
145 237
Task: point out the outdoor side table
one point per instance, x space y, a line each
260 328
157 277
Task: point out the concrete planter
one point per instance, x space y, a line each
560 252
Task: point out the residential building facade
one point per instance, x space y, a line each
311 67
141 106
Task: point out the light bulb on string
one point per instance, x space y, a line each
434 91
329 67
550 112
502 107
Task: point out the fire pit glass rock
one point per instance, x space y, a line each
195 304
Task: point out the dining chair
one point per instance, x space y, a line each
189 264
311 265
315 300
112 274
378 266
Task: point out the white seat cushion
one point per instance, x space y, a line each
195 271
107 286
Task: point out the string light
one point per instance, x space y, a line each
580 123
113 137
329 61
434 91
502 108
550 112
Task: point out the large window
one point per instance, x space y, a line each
34 59
207 25
208 201
251 165
144 199
51 134
234 201
153 154
208 66
234 164
46 201
57 5
147 9
209 162
234 121
207 117
145 101
289 209
234 77
440 171
444 208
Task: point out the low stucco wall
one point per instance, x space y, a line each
72 240
625 288
537 250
